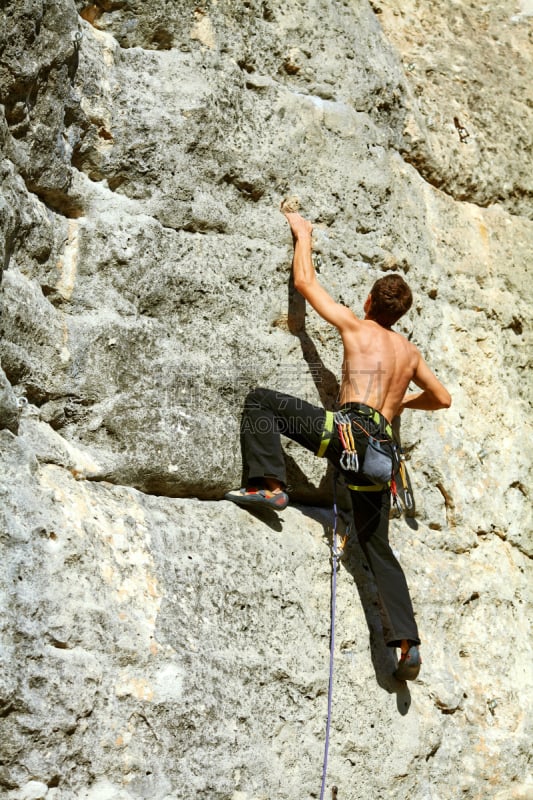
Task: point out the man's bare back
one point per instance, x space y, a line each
378 363
377 368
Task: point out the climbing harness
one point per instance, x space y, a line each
327 433
379 457
374 487
393 475
334 564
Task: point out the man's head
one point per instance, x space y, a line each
389 298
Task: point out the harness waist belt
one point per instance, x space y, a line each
375 487
368 411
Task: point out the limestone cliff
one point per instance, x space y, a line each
156 642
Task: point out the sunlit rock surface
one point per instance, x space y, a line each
159 643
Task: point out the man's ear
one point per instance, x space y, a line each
368 304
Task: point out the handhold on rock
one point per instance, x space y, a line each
290 205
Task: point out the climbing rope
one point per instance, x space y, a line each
334 560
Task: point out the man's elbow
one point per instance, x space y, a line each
305 288
302 285
444 399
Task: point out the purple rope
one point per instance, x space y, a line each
332 637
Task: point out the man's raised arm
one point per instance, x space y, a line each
305 280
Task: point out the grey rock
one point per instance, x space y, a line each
9 407
40 44
158 643
467 103
187 642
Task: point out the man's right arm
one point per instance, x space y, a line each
305 280
433 395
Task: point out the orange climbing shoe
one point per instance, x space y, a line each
258 498
409 665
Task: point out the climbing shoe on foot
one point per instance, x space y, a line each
260 498
409 666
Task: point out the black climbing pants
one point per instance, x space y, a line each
268 414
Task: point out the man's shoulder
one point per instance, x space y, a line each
406 341
408 350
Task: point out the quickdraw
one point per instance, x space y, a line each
406 498
349 459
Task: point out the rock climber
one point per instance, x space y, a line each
378 366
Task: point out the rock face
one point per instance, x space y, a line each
158 643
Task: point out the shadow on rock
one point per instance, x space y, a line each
353 561
268 516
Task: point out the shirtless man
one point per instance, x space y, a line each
378 366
